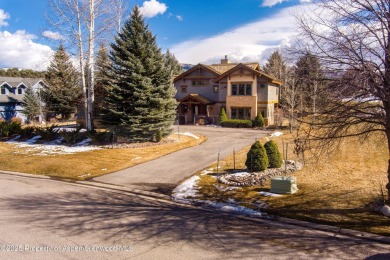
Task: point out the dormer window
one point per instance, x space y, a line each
20 91
3 91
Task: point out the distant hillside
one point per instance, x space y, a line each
186 66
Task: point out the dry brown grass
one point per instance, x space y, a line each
336 189
85 165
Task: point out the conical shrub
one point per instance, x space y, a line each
274 156
259 120
256 158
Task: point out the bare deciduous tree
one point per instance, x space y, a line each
351 39
84 23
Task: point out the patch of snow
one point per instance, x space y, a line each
84 142
236 209
276 134
240 174
269 194
225 188
13 139
188 134
52 147
136 158
69 129
186 191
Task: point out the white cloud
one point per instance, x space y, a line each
53 35
179 17
152 8
270 3
18 50
3 16
250 42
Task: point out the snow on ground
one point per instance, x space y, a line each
269 194
186 193
240 174
276 134
51 148
187 134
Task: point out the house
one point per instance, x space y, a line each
12 91
242 89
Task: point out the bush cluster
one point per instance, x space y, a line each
237 123
260 157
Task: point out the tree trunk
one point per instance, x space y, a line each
91 75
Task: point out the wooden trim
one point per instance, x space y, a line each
267 102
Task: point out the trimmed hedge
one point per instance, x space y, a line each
237 123
256 158
259 120
274 156
222 116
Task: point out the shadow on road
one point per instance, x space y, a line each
113 217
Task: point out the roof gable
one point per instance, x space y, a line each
195 68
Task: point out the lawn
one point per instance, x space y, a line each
86 165
336 189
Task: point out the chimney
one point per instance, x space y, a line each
225 61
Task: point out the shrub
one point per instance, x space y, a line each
70 137
9 128
47 133
274 156
237 123
256 158
222 116
27 132
158 136
259 121
100 137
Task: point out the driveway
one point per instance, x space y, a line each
47 219
163 174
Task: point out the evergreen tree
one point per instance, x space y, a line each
273 153
63 92
275 66
172 63
222 115
259 120
31 104
256 158
102 66
310 80
140 97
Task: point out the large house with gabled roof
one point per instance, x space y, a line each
241 88
12 91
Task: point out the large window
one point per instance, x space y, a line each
241 113
242 89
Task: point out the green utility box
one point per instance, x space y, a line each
284 185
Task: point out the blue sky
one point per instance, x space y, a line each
196 31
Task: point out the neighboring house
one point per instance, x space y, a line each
242 89
12 91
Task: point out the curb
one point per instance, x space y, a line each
167 199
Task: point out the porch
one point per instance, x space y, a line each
195 109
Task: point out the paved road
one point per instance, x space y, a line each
163 174
56 215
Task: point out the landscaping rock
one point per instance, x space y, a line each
259 178
385 210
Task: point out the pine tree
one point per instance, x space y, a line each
222 115
275 66
62 93
256 158
273 153
31 104
172 63
140 96
102 66
259 120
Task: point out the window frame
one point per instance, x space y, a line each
241 88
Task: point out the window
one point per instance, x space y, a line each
242 89
241 113
183 89
216 88
3 90
200 82
20 91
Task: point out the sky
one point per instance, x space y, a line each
196 31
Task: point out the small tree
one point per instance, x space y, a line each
222 115
259 120
274 156
256 158
31 105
